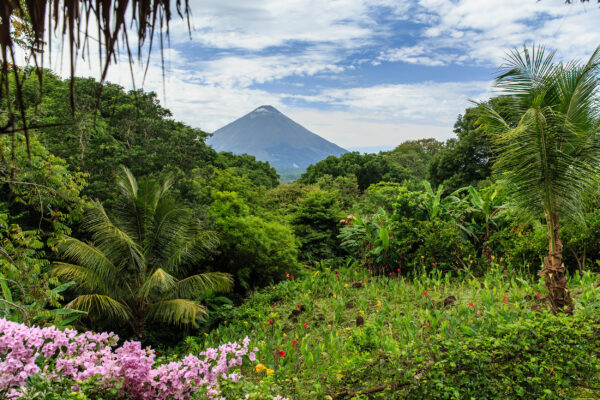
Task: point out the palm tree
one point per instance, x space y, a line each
134 270
549 150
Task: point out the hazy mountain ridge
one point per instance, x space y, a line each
270 136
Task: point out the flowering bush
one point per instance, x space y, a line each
52 354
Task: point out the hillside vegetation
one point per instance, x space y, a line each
465 269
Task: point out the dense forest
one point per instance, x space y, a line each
454 269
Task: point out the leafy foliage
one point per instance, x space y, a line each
136 267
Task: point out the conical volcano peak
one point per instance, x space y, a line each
270 136
266 109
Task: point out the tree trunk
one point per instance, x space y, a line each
139 318
554 269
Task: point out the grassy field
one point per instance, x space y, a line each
337 332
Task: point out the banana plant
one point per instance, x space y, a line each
437 206
371 238
487 204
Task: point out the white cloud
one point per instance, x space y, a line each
479 32
265 23
428 102
237 71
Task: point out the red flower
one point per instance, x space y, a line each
281 353
390 274
398 270
271 321
272 305
505 298
538 294
305 325
425 293
364 280
298 305
337 276
294 342
264 323
291 276
428 326
470 304
433 264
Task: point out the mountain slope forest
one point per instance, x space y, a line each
464 269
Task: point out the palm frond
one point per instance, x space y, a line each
101 305
176 311
553 154
159 281
116 244
86 279
195 285
178 252
88 256
127 184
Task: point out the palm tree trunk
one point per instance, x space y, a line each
554 269
139 318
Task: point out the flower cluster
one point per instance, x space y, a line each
49 352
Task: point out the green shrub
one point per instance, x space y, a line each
255 250
547 357
316 225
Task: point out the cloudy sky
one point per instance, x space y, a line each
361 73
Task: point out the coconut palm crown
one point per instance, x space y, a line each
549 147
136 267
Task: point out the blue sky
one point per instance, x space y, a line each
361 73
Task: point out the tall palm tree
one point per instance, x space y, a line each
550 149
135 268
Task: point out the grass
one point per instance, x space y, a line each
344 332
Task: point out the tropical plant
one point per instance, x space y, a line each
136 269
486 204
551 154
371 239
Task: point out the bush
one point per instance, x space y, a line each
255 250
547 357
316 225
